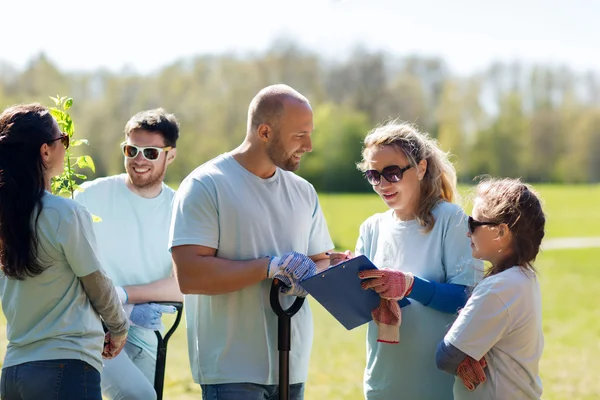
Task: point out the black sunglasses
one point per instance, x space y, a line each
392 174
473 224
149 153
64 139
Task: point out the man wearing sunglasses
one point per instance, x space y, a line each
135 208
239 220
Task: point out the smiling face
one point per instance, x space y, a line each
402 196
292 138
144 173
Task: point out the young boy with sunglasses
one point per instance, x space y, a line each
135 212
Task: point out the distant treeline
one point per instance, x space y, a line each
541 123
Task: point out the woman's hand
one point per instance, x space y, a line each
389 284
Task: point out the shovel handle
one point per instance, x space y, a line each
276 305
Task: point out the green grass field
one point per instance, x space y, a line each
570 288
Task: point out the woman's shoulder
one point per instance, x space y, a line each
446 209
449 215
514 279
63 206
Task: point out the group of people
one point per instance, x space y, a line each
76 293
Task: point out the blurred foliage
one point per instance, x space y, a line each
541 123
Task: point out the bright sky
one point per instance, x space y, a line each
145 35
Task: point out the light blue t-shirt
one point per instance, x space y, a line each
233 337
49 316
407 371
132 238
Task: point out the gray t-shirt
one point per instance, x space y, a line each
49 316
233 337
503 322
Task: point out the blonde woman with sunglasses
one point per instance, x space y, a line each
135 208
52 286
421 250
495 345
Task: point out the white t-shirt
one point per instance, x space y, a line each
233 337
503 322
49 316
132 238
407 370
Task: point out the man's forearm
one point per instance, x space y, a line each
211 275
166 289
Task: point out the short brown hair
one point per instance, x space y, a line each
157 121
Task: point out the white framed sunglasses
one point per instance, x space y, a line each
149 153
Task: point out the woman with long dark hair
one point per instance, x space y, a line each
52 287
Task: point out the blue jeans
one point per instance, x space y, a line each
51 380
249 391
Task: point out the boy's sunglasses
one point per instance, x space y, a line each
473 224
149 153
392 174
64 139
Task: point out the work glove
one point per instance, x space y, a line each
391 286
292 268
471 373
148 315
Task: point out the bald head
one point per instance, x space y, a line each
268 106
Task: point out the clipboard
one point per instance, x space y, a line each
339 291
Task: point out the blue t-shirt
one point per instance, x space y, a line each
408 370
132 238
233 337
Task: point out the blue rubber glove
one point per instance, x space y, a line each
291 269
149 315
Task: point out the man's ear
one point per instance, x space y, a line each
171 155
264 131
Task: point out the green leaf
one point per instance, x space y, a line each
80 176
69 126
79 142
58 115
96 218
86 162
55 100
68 103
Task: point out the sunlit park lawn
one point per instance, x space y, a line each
570 287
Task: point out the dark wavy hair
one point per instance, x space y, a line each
23 129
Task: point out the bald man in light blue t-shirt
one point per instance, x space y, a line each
230 217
